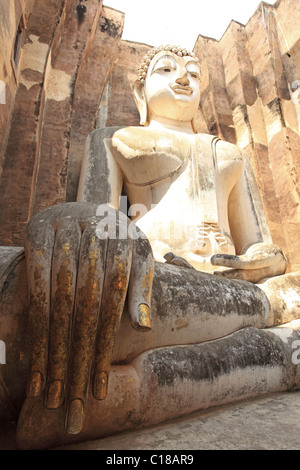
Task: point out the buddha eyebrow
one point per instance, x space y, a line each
165 57
193 62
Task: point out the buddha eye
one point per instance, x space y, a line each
163 70
194 75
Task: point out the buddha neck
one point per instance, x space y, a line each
160 123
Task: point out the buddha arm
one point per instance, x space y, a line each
256 256
248 223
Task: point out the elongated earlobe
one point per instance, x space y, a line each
140 100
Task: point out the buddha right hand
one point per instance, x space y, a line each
78 281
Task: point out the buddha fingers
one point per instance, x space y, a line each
39 242
87 307
251 260
64 277
117 271
140 286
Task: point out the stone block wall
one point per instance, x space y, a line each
67 71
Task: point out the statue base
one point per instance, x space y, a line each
169 382
234 353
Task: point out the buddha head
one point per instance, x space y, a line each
168 86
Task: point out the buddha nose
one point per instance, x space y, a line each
183 79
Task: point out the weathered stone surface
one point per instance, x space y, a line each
91 88
70 40
214 98
241 365
13 15
94 185
13 327
173 381
284 149
21 154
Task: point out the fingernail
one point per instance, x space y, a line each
35 385
75 416
100 385
144 316
54 395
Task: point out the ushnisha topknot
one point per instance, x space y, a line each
142 71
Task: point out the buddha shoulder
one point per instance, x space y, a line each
229 159
226 151
133 142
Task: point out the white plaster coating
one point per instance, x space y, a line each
290 297
2 92
58 85
34 54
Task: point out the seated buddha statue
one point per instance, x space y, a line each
190 262
191 189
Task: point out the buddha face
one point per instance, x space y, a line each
171 89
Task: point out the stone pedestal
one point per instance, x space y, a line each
223 353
